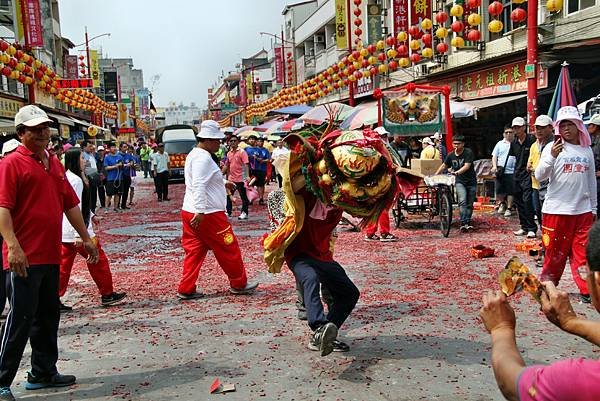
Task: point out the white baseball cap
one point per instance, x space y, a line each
210 129
428 140
381 131
595 120
437 136
31 116
9 146
100 147
543 121
518 122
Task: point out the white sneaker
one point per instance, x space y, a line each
519 232
243 216
508 213
531 234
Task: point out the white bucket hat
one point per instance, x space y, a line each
210 129
427 140
595 120
31 116
572 114
381 131
9 146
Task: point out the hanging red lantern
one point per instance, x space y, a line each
495 8
415 58
371 49
457 26
441 17
357 12
357 2
415 32
364 63
12 63
373 71
4 45
356 54
518 15
6 71
473 3
427 38
357 32
393 65
390 41
402 50
442 47
358 22
474 35
381 57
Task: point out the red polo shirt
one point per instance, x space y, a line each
314 237
36 198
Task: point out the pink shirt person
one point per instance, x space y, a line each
236 160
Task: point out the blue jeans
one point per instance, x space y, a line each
466 197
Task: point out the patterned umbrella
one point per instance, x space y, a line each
267 124
285 126
320 114
563 93
243 129
362 115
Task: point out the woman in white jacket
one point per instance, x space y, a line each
71 243
570 206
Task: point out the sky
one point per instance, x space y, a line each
188 43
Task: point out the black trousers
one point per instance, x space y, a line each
34 315
311 273
239 186
102 193
93 194
125 185
161 181
523 197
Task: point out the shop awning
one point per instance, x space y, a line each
494 101
7 127
62 119
80 122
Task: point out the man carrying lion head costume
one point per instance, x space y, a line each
343 171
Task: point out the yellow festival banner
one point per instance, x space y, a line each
341 24
95 68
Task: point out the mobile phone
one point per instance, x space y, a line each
557 137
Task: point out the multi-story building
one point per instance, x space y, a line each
182 114
489 74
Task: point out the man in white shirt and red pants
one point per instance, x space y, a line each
571 200
205 224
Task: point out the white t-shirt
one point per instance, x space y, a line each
204 185
572 180
279 152
69 234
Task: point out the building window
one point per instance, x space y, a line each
577 5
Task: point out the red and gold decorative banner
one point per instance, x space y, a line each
33 23
419 10
506 79
400 15
279 65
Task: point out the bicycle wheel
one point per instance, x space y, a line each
397 212
445 211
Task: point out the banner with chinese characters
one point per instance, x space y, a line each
9 107
71 70
95 68
33 23
412 114
400 15
374 30
341 25
279 65
419 10
502 80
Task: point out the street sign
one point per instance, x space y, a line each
84 83
530 71
126 130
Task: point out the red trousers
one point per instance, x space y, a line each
383 223
100 271
565 237
213 233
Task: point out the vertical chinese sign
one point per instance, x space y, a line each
71 67
400 15
95 68
374 23
32 23
341 25
243 92
419 10
279 65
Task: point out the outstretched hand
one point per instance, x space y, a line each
556 306
496 312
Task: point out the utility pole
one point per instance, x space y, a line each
349 31
532 60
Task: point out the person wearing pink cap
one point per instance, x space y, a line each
571 199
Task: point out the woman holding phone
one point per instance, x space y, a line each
570 206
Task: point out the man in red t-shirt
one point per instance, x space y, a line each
34 194
310 257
